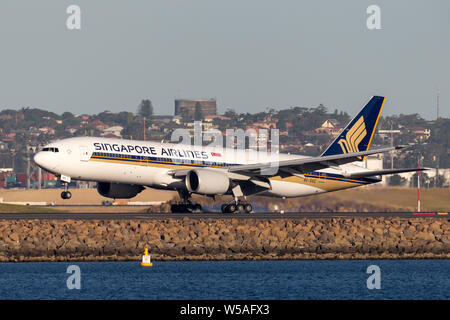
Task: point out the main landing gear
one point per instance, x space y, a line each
186 205
237 207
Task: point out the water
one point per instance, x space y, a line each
340 279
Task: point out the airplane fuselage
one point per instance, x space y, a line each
150 164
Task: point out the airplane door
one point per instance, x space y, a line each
84 153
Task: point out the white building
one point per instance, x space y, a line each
116 130
374 162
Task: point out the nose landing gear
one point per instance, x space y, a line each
66 194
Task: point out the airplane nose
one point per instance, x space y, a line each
46 160
39 158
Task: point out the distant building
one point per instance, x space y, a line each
186 108
330 123
162 118
213 117
99 125
373 162
72 129
176 119
112 132
330 126
421 133
9 137
47 130
430 174
266 125
386 135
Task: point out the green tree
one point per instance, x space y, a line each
230 113
184 113
396 180
69 119
321 109
133 130
198 113
124 118
145 109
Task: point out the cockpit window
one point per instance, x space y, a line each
51 149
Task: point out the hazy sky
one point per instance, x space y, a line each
249 54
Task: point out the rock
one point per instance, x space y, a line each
425 236
363 238
14 236
378 231
410 233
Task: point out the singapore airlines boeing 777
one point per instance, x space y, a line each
123 168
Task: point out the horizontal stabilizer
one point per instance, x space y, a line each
381 172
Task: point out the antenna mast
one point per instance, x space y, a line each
437 104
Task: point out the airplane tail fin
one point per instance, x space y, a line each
358 134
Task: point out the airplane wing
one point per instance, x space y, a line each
304 165
255 172
252 178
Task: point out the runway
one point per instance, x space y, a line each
217 216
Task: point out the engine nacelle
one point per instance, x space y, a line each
205 181
118 190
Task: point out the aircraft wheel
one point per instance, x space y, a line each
240 208
224 208
175 208
248 208
66 195
231 208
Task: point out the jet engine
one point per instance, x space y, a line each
118 190
206 181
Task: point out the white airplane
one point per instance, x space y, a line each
123 168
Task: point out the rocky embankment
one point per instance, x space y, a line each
193 239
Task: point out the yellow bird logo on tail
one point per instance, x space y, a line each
353 137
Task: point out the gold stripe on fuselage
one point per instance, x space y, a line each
323 183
